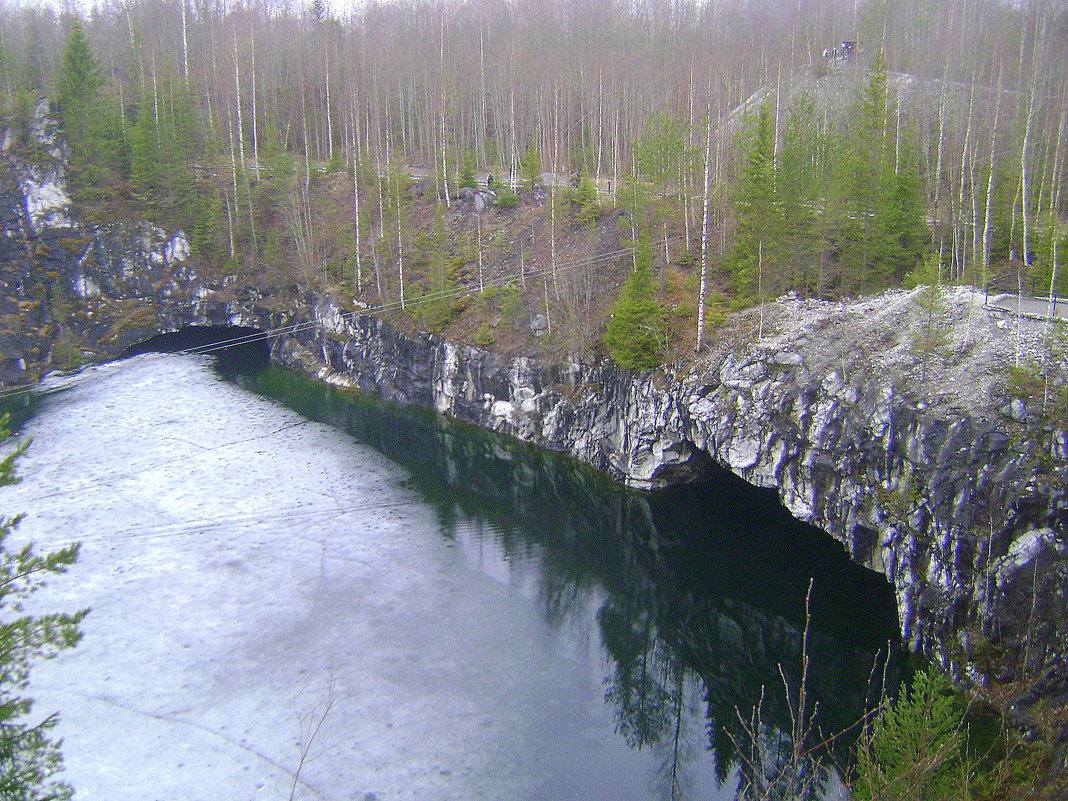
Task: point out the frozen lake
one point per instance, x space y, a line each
503 634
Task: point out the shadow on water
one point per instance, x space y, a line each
19 407
236 349
704 586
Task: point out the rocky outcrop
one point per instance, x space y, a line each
964 512
965 515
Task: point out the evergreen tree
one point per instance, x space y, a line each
467 173
438 304
163 144
883 230
913 750
800 185
29 756
759 228
931 339
634 335
80 82
901 218
530 168
662 152
506 197
585 198
318 11
90 124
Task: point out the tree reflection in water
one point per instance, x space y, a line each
704 593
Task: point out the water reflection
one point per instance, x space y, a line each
700 592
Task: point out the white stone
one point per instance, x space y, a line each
177 249
505 410
445 384
832 383
47 201
743 452
799 506
1022 552
86 287
787 358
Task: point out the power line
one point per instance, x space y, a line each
105 480
215 523
452 293
219 523
444 294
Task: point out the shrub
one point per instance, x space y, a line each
506 197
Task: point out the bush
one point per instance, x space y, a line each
506 197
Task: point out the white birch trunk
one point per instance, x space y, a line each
255 135
237 105
702 295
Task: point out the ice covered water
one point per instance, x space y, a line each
252 573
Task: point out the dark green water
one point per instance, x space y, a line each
700 592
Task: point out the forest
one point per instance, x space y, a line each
581 175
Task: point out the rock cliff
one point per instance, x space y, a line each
914 463
965 514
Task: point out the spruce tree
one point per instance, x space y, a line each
467 173
883 231
913 750
438 304
931 339
530 168
79 83
163 145
759 230
800 186
662 151
634 335
90 125
29 755
585 198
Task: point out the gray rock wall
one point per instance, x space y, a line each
968 522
